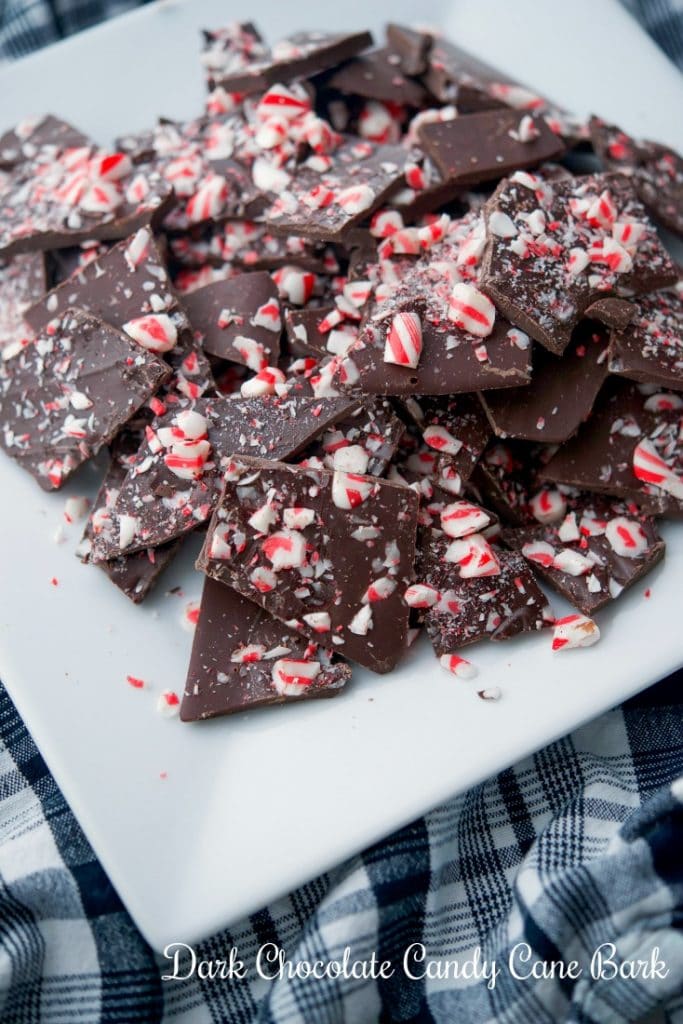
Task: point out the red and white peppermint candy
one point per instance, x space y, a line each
474 555
268 317
548 506
403 345
441 440
361 623
471 310
209 199
527 131
294 284
284 101
355 199
628 233
385 223
297 517
501 225
285 549
376 123
650 467
578 260
168 704
263 579
100 197
264 383
252 352
349 490
269 178
379 590
357 292
421 595
572 562
319 622
248 654
110 166
463 518
351 458
128 528
574 631
155 332
539 551
569 529
458 666
602 212
293 677
263 518
626 537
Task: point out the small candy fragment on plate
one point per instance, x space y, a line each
574 631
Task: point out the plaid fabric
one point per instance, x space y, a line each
576 846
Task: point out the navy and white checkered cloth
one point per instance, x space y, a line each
574 847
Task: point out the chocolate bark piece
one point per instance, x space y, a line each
328 553
650 348
413 204
22 282
69 392
128 282
231 49
373 426
487 146
657 170
377 75
561 393
155 504
135 575
494 606
21 142
601 456
594 553
298 56
243 658
553 249
348 185
507 476
412 46
454 432
612 312
61 196
238 319
304 337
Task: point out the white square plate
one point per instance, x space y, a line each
254 805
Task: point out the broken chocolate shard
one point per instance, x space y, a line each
21 143
377 75
238 319
22 282
328 553
487 146
243 658
561 394
453 432
611 312
66 394
650 347
593 553
554 248
412 47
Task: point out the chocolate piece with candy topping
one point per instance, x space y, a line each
243 658
231 50
561 393
412 47
478 591
487 146
453 433
22 282
650 347
331 193
174 482
612 312
554 248
22 142
593 553
656 170
129 287
304 336
507 478
328 553
238 319
373 427
135 575
630 447
69 392
377 75
299 56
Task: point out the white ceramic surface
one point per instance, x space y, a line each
254 805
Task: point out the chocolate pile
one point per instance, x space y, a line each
364 324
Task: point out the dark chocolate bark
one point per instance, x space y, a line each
22 282
453 432
328 553
243 658
412 47
378 75
650 347
68 393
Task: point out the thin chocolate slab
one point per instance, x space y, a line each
561 393
601 455
328 553
412 47
657 170
162 498
32 134
329 194
128 282
502 600
243 658
135 575
507 477
554 248
453 432
650 347
378 75
374 427
238 319
592 554
487 146
68 393
230 50
298 56
62 195
304 337
22 282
